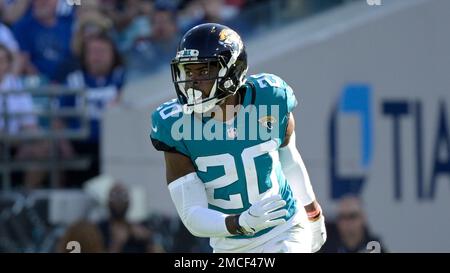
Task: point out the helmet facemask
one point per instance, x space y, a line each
202 93
221 51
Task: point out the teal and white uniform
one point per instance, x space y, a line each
237 170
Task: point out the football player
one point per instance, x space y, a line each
235 187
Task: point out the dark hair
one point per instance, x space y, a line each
118 60
8 52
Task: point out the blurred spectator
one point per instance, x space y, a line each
122 12
44 38
165 37
119 234
19 104
15 103
236 3
189 12
7 39
22 104
91 21
151 52
131 21
102 76
88 7
12 10
210 11
353 234
125 13
217 11
86 234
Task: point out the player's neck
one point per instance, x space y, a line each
230 108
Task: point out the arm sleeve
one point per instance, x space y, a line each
295 171
189 196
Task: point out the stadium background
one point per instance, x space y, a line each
372 122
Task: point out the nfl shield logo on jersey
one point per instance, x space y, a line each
232 132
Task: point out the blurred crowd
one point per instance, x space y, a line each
56 58
94 48
347 228
91 47
348 231
114 234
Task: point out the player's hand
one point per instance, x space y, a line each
319 233
263 214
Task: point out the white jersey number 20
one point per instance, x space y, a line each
231 176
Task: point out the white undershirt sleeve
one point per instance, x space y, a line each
189 196
295 171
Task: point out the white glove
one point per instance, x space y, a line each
319 233
261 215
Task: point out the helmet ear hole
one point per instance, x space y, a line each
229 86
228 83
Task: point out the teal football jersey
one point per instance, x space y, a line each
237 160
